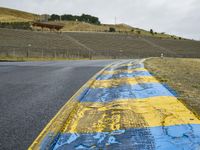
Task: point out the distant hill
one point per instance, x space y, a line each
15 43
123 28
12 15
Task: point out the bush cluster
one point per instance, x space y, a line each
82 18
16 25
151 31
111 29
138 32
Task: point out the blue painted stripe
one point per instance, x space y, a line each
137 91
170 89
125 67
124 75
179 137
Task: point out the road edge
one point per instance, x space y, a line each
72 101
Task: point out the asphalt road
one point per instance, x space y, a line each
31 93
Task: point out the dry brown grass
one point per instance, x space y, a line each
82 26
181 74
11 15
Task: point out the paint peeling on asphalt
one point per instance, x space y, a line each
122 107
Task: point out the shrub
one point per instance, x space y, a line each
54 17
16 25
138 32
111 29
151 31
84 18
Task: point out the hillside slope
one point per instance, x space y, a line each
120 28
11 15
84 44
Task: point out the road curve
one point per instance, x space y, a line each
122 107
31 93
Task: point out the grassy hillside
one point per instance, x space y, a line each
11 15
120 28
28 44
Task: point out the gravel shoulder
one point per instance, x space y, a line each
183 75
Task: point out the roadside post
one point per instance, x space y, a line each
42 53
161 55
28 52
121 52
14 54
55 54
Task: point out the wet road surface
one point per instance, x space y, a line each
31 93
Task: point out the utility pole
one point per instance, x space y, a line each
115 20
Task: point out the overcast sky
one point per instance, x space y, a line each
180 17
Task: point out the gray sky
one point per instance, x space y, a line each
180 17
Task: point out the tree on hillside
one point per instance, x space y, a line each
151 31
89 19
83 18
68 17
54 17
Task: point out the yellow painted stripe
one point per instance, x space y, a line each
106 72
92 117
116 82
129 64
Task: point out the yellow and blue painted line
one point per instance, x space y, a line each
124 75
122 107
137 91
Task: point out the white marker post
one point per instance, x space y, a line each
162 55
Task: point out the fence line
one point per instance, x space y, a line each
34 52
31 52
